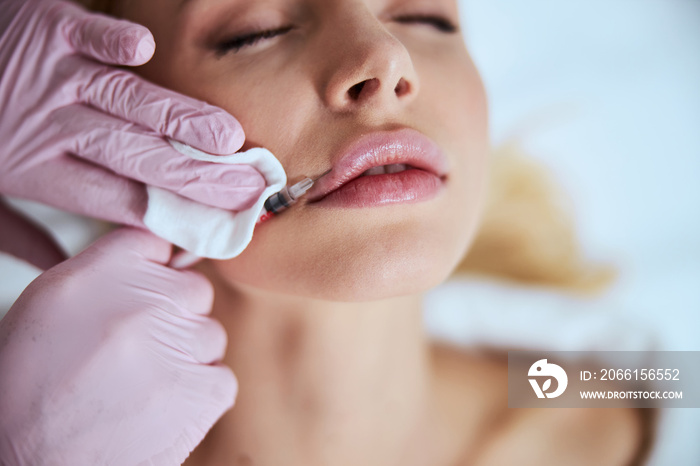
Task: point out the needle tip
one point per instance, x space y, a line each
323 174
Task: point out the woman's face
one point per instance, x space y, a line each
322 75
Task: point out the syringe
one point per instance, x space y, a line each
288 196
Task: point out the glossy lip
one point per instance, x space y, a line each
406 146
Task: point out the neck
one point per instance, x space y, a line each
322 380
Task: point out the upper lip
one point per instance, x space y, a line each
406 146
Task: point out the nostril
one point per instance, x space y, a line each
355 91
364 89
402 88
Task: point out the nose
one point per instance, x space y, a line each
368 68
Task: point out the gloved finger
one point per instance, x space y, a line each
143 156
208 341
108 40
132 98
25 240
215 393
83 188
126 242
183 260
189 289
185 294
223 388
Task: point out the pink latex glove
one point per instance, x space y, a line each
110 358
84 136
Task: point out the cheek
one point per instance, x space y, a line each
274 114
455 100
461 126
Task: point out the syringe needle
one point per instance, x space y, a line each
322 175
288 196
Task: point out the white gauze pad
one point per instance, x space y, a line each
210 231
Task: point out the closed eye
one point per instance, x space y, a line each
237 43
440 23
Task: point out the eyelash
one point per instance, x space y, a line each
235 44
440 23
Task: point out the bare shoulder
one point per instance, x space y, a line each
566 436
475 386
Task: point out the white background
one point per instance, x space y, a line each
607 94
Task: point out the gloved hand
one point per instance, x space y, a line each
110 358
83 136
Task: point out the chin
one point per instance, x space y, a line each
393 270
391 264
390 268
406 276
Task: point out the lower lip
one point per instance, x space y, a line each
405 187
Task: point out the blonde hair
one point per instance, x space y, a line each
527 233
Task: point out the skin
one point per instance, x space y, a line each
323 310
